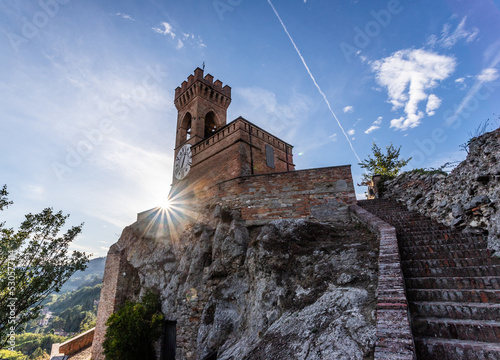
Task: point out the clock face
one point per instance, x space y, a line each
183 162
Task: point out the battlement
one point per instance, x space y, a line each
198 84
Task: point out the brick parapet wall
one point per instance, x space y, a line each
119 283
77 343
394 335
313 193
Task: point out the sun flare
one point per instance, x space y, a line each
166 204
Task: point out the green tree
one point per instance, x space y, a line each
39 354
12 355
88 321
34 262
133 329
387 165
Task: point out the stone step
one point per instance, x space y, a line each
449 349
440 247
413 234
454 295
473 271
483 282
455 310
461 242
446 263
452 254
473 330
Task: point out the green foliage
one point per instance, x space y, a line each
28 343
132 330
426 171
89 277
480 130
83 297
39 354
34 262
12 355
88 321
387 164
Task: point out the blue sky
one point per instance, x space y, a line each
86 90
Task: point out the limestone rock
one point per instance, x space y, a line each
290 289
466 198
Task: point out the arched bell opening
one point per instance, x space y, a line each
210 124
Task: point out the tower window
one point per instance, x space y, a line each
270 156
210 124
186 127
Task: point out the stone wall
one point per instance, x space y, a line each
319 194
467 198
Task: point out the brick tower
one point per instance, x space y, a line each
202 108
208 150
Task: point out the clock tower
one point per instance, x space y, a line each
202 109
208 150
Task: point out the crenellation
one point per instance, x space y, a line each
198 73
210 79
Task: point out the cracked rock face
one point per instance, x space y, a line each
291 289
468 198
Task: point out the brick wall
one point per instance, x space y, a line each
318 193
77 343
239 149
394 335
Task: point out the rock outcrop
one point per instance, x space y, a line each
289 289
467 198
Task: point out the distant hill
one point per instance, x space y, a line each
94 269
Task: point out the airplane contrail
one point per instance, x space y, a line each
314 80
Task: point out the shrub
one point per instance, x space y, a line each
133 329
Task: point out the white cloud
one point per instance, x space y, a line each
433 103
371 128
488 75
351 132
460 80
348 109
333 137
185 38
374 126
407 74
125 16
449 38
167 30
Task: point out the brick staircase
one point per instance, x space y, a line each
452 286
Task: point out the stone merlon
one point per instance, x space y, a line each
207 80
